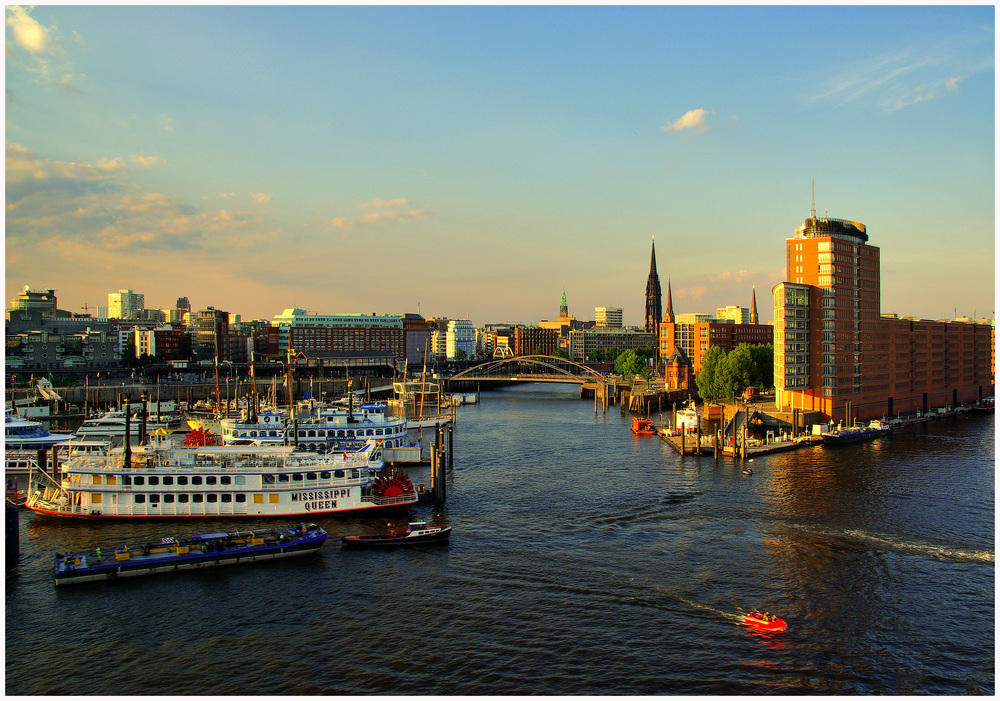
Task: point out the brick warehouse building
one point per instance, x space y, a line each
694 334
837 354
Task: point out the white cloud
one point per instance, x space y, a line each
952 83
261 198
147 161
692 119
28 33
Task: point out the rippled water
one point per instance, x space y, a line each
583 560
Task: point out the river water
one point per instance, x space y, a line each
583 560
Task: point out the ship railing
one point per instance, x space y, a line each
390 501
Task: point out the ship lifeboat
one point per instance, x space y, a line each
764 621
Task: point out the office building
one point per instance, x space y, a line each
608 317
837 354
125 304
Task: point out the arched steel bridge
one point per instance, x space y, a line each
529 368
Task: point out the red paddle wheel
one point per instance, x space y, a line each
200 437
391 483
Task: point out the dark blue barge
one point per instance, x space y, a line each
173 554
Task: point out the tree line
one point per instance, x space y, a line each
727 375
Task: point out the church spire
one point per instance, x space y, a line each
654 298
668 315
753 306
563 308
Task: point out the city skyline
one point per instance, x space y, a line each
473 162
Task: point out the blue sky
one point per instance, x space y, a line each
470 162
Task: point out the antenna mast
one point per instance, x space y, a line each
812 204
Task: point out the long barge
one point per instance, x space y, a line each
196 552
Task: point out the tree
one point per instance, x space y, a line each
611 354
460 354
709 388
736 373
560 353
763 360
630 363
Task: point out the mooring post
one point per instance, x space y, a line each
682 441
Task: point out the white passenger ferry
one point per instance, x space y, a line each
320 429
163 481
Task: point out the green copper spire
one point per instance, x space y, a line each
563 308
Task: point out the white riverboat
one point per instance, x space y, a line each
319 428
21 433
242 481
111 424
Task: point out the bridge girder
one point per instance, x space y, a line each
530 368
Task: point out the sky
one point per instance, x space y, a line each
473 162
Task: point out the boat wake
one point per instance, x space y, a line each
937 552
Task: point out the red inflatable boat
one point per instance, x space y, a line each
764 621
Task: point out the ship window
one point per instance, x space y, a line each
355 474
210 479
324 475
95 498
154 498
154 480
378 432
273 498
241 498
283 478
225 479
96 479
258 498
369 433
140 480
126 479
139 498
182 479
339 474
196 479
182 498
297 477
340 434
240 479
197 498
112 479
168 498
268 479
227 498
167 479
211 498
310 475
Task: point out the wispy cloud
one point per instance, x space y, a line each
693 122
261 198
147 161
377 211
84 208
893 80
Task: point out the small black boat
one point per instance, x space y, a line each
415 533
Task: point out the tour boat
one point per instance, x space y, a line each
687 418
172 553
414 533
986 405
853 434
319 428
764 621
24 434
161 480
643 427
